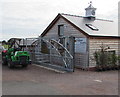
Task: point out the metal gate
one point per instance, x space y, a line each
52 53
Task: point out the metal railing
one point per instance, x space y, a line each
49 52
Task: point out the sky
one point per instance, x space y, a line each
29 18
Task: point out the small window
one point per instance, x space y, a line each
92 27
60 30
111 52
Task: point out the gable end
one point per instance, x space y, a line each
55 20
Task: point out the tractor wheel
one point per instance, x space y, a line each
24 66
4 62
10 65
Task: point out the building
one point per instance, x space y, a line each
0 42
89 34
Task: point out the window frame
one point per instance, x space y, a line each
59 30
92 27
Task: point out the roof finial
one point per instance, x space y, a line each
90 3
90 10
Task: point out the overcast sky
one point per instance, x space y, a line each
29 18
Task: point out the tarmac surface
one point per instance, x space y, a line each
35 80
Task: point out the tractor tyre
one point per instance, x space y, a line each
4 62
24 66
10 65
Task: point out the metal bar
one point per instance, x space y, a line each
57 51
52 44
63 47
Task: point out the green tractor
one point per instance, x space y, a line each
15 55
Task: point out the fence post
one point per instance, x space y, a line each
72 50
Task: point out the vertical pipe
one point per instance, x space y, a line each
26 44
72 50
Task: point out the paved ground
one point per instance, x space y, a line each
38 81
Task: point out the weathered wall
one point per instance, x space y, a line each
81 60
69 30
94 44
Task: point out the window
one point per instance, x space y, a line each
92 27
60 30
111 52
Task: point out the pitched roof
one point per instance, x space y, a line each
104 27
